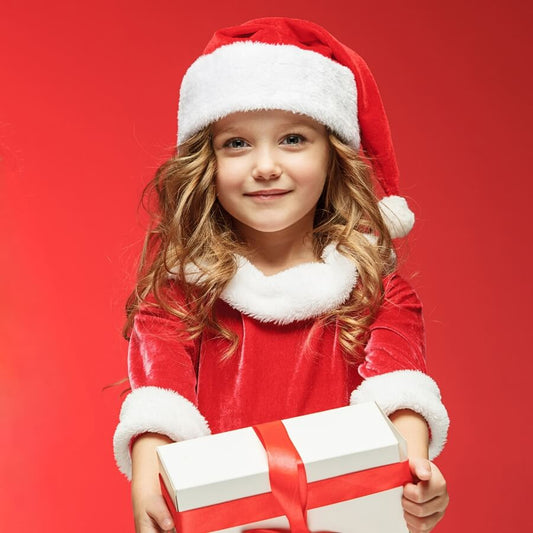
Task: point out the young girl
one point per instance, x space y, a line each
267 285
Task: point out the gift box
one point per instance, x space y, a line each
340 471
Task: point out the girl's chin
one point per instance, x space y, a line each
273 223
266 229
272 229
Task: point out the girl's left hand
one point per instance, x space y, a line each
425 501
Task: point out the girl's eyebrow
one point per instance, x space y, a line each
221 131
299 124
228 130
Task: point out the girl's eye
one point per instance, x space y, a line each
293 139
236 143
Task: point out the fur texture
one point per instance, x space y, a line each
247 76
152 409
398 218
299 293
408 389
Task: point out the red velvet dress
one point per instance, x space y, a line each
283 367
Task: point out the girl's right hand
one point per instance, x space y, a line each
150 511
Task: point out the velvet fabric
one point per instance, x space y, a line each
278 371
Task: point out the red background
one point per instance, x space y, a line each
88 100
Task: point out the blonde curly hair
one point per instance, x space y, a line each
189 226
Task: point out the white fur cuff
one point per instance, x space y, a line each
155 410
408 389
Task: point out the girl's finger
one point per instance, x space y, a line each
421 468
147 526
160 514
422 492
416 524
436 505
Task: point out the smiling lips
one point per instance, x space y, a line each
267 194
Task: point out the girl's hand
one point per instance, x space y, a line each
425 501
150 512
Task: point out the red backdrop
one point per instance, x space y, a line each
88 98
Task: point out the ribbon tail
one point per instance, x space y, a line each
288 481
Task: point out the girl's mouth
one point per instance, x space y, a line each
267 194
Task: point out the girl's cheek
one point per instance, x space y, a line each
225 183
225 165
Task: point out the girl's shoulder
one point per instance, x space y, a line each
172 293
397 286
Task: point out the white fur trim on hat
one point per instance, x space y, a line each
397 216
155 410
408 389
298 293
248 76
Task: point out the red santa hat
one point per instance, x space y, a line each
295 65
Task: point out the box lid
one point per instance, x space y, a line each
231 465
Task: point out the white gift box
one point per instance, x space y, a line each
213 483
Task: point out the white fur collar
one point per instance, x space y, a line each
298 293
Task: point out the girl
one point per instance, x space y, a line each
267 285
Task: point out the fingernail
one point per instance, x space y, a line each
167 523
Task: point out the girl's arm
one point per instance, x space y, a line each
150 511
394 372
425 501
161 369
394 367
161 408
414 429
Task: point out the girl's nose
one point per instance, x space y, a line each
266 166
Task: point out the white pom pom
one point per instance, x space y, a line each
398 218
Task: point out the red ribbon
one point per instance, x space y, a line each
290 494
288 481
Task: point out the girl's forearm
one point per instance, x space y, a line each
149 509
145 466
415 430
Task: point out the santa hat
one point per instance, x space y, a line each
295 65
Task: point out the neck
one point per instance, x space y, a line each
276 251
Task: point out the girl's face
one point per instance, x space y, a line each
271 169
